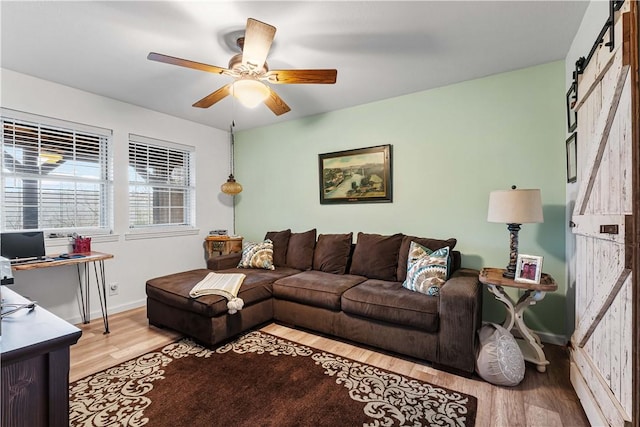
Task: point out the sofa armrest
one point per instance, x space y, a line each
223 262
460 317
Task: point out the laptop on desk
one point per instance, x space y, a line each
23 247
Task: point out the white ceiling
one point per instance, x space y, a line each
380 49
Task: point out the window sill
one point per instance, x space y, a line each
97 238
156 233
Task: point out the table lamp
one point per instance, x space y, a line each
514 207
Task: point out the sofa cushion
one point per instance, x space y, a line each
174 289
376 256
390 302
331 254
426 270
433 244
315 288
257 255
280 241
300 250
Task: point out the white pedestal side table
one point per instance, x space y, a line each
528 340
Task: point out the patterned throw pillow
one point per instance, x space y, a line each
426 270
257 255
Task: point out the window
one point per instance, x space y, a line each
55 175
161 191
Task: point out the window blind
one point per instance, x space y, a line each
55 174
161 184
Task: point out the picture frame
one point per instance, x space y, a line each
528 269
572 115
572 158
362 175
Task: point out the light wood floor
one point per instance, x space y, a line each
542 399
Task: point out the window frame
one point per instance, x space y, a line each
188 152
81 132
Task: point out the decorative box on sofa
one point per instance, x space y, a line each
331 286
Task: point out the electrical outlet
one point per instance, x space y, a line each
113 289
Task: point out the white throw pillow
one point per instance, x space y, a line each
500 360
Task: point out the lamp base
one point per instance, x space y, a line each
510 272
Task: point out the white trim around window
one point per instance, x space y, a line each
161 187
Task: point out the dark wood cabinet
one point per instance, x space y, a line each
35 366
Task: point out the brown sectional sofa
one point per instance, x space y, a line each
333 287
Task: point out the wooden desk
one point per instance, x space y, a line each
223 245
95 258
35 366
528 340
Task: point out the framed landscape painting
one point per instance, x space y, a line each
362 175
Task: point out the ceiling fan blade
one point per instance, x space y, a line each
276 104
186 63
214 97
257 42
301 76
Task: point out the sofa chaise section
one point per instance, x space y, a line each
206 318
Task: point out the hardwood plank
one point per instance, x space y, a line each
96 351
537 416
541 398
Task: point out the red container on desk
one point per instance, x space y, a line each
81 245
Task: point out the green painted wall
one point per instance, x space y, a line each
451 147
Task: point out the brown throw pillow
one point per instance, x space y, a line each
300 250
433 244
376 256
332 253
280 241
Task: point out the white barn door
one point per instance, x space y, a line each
602 345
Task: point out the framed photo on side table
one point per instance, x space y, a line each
528 269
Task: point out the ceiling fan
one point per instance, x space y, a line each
250 70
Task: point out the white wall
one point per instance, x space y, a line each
137 260
594 18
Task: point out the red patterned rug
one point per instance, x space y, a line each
260 380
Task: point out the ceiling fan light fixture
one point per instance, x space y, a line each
250 92
249 70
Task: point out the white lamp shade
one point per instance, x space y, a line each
515 206
250 92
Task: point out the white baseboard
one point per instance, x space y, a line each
552 338
97 314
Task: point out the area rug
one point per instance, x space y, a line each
260 380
